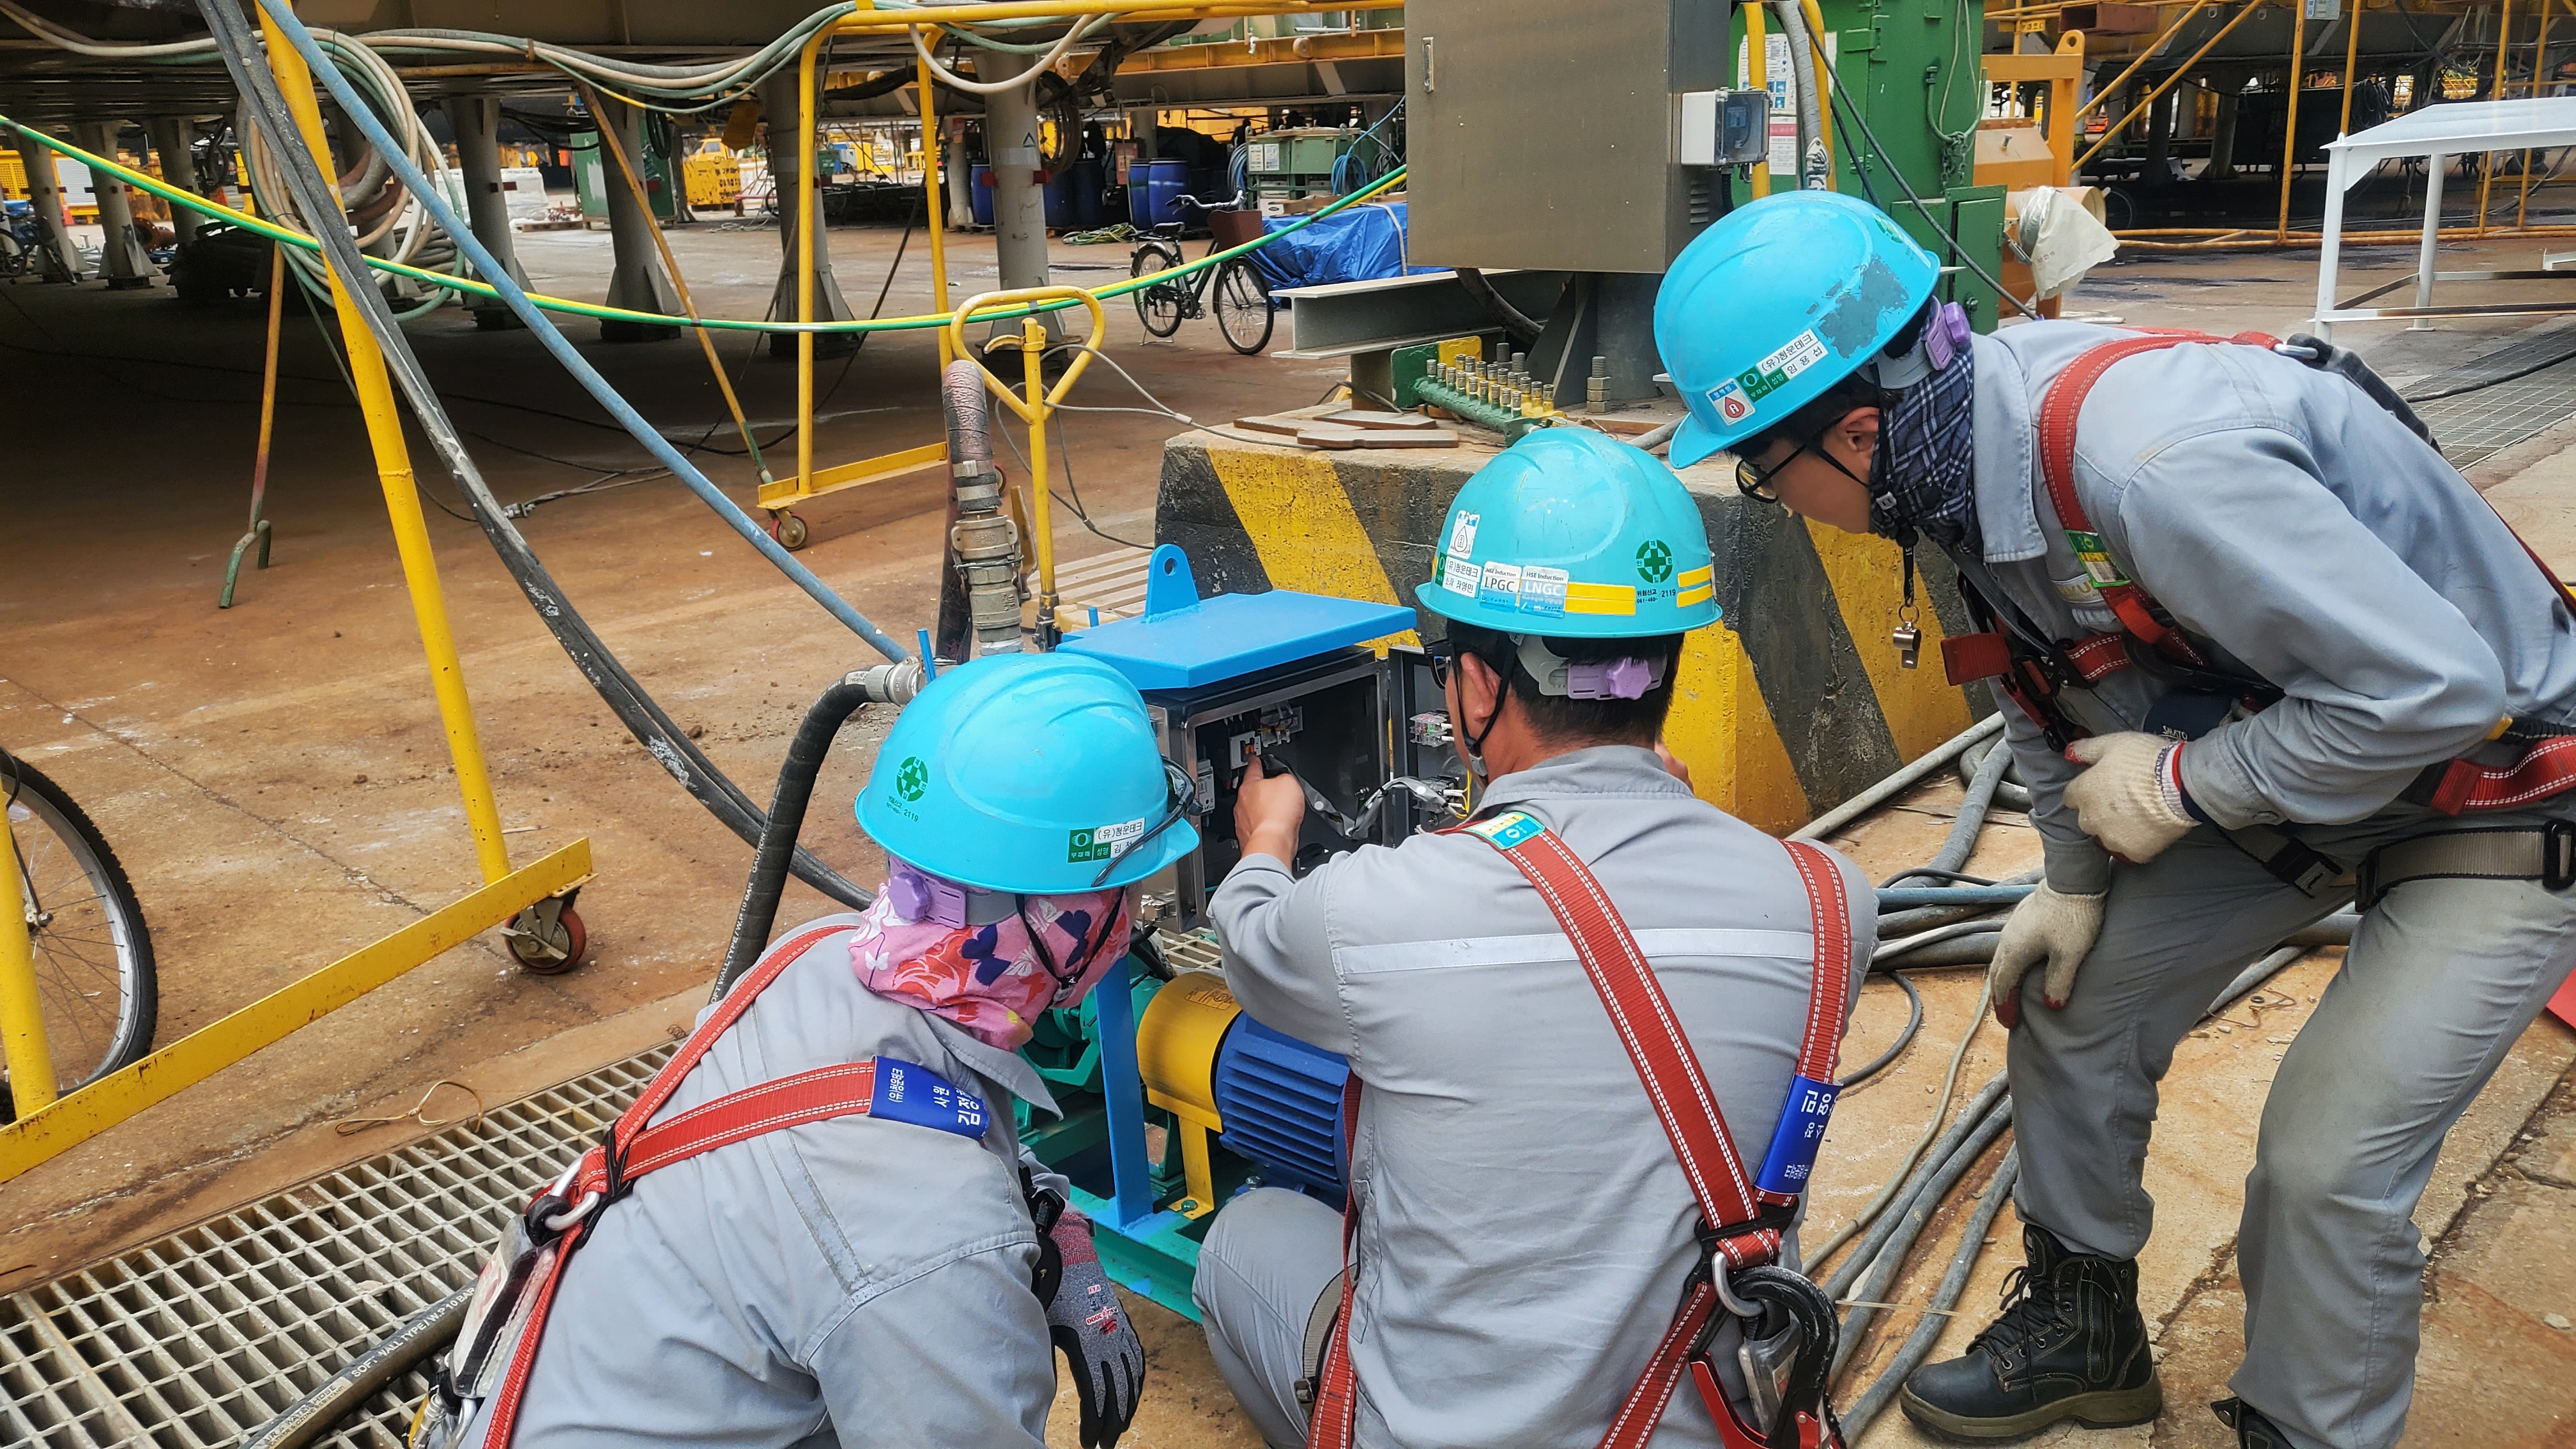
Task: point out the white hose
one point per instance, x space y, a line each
1046 62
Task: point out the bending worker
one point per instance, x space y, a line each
1520 1225
2269 654
892 1269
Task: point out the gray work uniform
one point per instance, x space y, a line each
850 1282
1524 1232
2279 514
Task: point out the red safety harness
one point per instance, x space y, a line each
848 1089
2032 677
1739 1223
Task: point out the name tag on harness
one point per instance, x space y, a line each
1800 1133
905 1092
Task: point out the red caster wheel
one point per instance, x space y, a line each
547 938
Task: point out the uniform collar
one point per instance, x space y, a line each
1599 770
1007 1070
2007 465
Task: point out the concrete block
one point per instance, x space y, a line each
1795 704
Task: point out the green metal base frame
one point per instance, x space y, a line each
1156 1258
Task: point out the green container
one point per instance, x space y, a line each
594 170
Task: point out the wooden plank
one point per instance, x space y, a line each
1333 435
1371 418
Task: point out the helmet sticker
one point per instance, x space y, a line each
1729 400
1462 535
1773 373
1101 841
1543 590
1654 561
1501 586
912 778
1459 576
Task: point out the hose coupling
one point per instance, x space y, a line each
889 683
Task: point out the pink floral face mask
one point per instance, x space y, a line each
994 980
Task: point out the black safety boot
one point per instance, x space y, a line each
2253 1431
2070 1344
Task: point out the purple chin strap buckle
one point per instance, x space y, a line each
1945 335
917 895
1614 679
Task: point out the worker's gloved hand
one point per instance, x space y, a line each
2131 798
1268 811
2047 926
1086 1320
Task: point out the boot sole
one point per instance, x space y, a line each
2104 1409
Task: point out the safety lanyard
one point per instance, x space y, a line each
1741 1218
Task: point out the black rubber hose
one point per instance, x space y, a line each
1918 1344
653 729
1516 324
342 1394
1910 1222
841 702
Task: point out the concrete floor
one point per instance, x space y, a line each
275 778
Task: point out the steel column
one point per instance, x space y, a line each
476 120
636 280
121 258
791 158
1012 140
178 167
45 193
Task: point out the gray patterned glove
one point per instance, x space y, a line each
1086 1321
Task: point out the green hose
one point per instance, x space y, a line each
290 237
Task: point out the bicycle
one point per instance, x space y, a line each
91 952
1242 291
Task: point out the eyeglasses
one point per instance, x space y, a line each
1184 803
1442 656
1755 481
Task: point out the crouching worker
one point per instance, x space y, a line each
2269 654
1525 1216
817 1224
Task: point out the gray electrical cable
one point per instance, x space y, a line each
1898 783
1889 951
2011 794
1902 1181
1918 1344
1910 1222
1814 163
543 329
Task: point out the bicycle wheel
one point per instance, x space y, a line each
93 955
1243 307
1158 306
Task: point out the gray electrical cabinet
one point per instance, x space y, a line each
1542 134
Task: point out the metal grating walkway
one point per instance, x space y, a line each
2480 424
197 1340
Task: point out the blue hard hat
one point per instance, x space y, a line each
1026 773
1572 534
1777 302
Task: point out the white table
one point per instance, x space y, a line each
2438 133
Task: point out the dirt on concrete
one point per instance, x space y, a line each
276 779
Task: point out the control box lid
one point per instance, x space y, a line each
1183 642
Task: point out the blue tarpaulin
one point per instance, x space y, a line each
1363 244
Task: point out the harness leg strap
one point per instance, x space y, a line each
2547 855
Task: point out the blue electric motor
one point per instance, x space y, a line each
1281 1101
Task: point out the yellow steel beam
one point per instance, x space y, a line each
1282 50
981 13
854 475
23 1047
402 499
102 1104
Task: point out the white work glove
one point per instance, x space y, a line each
2047 926
2131 798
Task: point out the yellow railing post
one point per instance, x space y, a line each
802 138
1033 345
402 497
23 1047
1037 406
1757 74
931 198
2290 126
